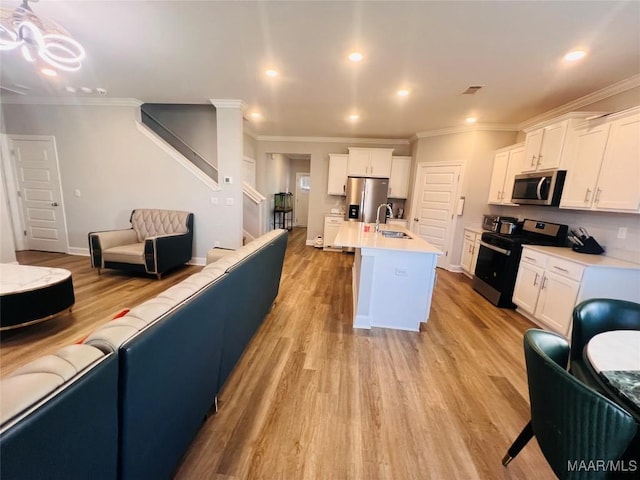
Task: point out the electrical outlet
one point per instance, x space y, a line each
622 233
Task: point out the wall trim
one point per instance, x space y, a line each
482 127
83 252
197 261
73 101
228 103
603 93
366 141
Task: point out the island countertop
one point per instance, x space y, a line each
352 234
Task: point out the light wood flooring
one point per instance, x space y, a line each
312 398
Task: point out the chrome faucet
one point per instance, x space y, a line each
378 214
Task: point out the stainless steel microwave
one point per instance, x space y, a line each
539 188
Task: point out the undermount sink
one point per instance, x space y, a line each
394 234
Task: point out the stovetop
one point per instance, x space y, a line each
532 232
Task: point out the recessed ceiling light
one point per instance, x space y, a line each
471 120
256 115
86 90
354 117
271 73
575 55
403 92
70 89
355 56
49 72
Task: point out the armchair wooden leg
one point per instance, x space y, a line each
99 271
525 435
159 275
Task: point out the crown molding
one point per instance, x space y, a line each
593 97
364 141
228 103
481 127
72 101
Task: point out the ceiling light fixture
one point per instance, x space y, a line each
49 72
38 38
471 120
354 117
256 115
403 93
271 73
575 55
355 56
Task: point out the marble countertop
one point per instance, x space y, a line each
353 234
583 258
22 278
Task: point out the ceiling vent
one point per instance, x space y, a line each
472 89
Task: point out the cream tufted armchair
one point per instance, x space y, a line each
157 241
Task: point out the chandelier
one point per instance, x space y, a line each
39 39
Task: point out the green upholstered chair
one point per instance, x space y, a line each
595 316
571 421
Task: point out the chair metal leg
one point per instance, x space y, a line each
525 435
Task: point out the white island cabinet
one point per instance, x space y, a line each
393 278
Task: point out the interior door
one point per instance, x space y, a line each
301 210
36 167
435 200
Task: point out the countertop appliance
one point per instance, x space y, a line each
493 223
363 197
539 188
499 257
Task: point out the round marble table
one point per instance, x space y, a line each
33 294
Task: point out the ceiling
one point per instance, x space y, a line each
190 52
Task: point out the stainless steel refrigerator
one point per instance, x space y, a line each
364 195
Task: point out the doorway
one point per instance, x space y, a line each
36 173
434 203
301 207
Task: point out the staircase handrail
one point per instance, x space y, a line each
252 193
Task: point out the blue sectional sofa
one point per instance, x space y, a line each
172 355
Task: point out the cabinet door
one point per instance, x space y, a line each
619 181
532 145
516 159
380 163
474 259
583 166
558 296
552 144
337 182
331 227
528 281
467 253
496 190
399 180
358 165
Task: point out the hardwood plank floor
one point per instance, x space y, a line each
312 398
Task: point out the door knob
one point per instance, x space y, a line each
415 219
54 204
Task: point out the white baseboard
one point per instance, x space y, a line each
309 243
198 261
455 269
84 252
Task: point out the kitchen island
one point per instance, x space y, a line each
393 277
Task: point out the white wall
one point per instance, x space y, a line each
319 201
117 168
7 246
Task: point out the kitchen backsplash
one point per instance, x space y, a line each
602 226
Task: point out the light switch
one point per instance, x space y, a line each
77 193
229 201
214 200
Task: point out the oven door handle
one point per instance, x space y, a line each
539 188
495 249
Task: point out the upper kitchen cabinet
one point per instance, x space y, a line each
506 164
603 164
337 183
544 143
369 162
399 179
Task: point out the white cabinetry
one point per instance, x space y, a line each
399 179
470 247
543 147
337 183
551 281
603 165
506 164
331 227
369 162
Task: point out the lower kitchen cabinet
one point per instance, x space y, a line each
551 281
331 227
470 248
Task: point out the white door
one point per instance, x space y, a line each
35 165
434 203
301 209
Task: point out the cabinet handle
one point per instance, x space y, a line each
587 195
535 280
533 160
539 160
544 283
344 189
499 195
598 192
561 269
531 259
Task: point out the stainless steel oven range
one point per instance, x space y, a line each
499 257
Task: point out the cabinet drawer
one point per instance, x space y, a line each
565 268
333 220
534 258
468 235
